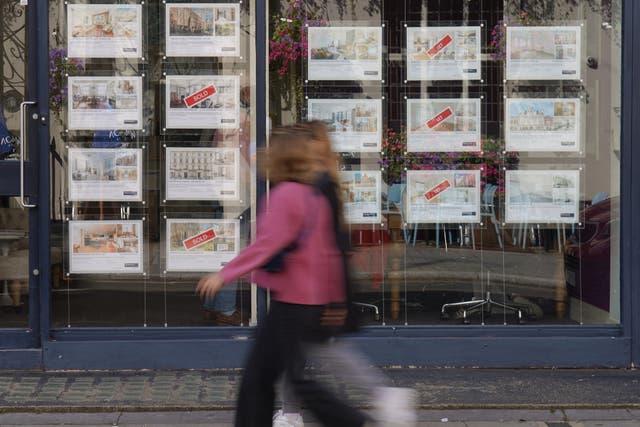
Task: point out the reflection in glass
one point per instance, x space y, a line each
14 263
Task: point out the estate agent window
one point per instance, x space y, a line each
479 142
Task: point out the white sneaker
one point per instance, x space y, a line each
395 406
281 419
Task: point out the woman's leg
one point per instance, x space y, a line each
290 402
301 331
264 366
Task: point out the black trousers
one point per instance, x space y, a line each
280 347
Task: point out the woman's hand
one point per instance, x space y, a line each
209 285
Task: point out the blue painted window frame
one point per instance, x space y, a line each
490 346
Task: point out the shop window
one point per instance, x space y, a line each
480 146
479 141
154 141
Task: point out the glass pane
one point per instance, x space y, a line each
12 83
494 129
14 264
156 168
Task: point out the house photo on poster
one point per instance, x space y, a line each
202 102
535 124
544 53
361 196
105 247
344 53
355 125
104 30
201 244
443 196
443 124
202 173
97 174
444 53
550 196
202 29
105 103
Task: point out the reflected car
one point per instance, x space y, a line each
587 254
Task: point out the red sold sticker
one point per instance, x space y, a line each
200 96
199 239
437 190
444 115
438 47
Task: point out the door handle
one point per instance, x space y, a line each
23 142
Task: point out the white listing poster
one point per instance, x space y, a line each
550 124
550 196
202 173
361 196
355 125
345 53
202 29
105 247
443 125
105 174
443 196
201 244
202 102
104 30
444 53
105 103
544 53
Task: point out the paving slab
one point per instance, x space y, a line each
486 418
598 414
217 389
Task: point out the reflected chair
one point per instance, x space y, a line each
488 209
392 206
484 304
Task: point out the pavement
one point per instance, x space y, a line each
446 397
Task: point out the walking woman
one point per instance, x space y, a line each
298 230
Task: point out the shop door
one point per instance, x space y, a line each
20 125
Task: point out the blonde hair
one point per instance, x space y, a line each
323 148
300 153
289 156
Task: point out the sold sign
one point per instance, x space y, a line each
437 190
199 239
438 47
200 96
439 118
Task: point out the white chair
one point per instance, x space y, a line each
488 209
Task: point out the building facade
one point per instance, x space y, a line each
486 153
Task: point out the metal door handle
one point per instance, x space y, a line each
23 142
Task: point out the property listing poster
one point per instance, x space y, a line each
105 103
542 196
104 30
201 244
361 196
534 124
443 125
444 53
202 29
345 53
105 174
105 247
544 53
355 125
202 173
202 102
443 196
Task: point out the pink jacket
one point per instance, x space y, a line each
313 273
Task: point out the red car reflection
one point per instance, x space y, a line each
587 255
